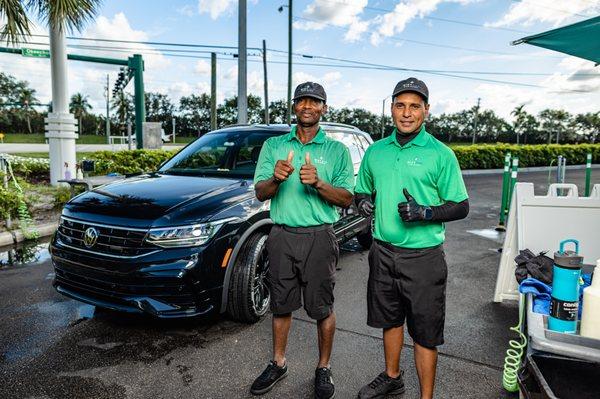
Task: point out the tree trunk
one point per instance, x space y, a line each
28 123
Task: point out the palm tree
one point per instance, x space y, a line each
79 107
27 98
518 113
123 106
70 14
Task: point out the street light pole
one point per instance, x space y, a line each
383 118
266 82
213 91
289 88
107 110
242 65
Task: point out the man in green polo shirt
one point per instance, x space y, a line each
306 175
412 184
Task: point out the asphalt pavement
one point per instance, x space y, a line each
54 347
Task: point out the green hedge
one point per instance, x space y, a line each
485 156
491 156
129 161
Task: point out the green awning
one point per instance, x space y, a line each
581 39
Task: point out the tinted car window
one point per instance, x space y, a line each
232 153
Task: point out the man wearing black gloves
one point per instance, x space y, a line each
412 184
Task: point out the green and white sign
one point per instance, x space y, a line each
34 52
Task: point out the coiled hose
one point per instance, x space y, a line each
25 222
512 361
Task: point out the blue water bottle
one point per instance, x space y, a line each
564 306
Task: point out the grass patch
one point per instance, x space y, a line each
39 138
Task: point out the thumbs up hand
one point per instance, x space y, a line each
411 211
283 168
308 172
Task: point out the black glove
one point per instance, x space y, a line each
365 205
411 211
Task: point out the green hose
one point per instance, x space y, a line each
512 361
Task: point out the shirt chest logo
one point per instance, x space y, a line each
319 160
416 161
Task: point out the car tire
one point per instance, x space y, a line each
365 238
249 296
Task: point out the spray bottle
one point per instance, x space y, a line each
590 315
564 306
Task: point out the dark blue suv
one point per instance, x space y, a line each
188 239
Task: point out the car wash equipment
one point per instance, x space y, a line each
512 361
564 305
590 315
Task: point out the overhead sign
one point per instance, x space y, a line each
34 52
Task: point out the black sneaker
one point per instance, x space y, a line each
324 388
268 378
381 386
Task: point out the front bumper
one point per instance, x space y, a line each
167 284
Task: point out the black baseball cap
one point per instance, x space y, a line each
412 85
310 89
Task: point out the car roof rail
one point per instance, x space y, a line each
339 125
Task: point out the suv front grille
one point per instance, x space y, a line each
111 240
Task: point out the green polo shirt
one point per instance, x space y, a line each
427 168
297 204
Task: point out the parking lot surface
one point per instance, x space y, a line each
54 347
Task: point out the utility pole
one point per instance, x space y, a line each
173 132
266 82
213 91
383 118
476 120
289 93
242 101
107 109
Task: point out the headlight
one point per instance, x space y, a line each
185 236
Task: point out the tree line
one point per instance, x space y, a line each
21 112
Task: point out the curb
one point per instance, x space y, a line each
16 236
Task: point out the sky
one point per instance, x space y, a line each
469 39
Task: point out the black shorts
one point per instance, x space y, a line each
302 262
408 284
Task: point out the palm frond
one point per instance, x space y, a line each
17 23
69 14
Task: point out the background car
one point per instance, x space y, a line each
188 239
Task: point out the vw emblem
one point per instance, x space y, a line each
90 237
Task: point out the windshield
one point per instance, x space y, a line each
230 153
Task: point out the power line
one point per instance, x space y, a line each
167 52
448 20
396 38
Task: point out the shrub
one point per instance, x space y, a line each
129 161
491 156
9 202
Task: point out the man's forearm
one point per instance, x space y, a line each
266 189
450 211
334 195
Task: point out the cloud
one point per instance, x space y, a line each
118 28
216 7
187 10
328 80
231 74
580 75
405 11
337 13
528 12
202 68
